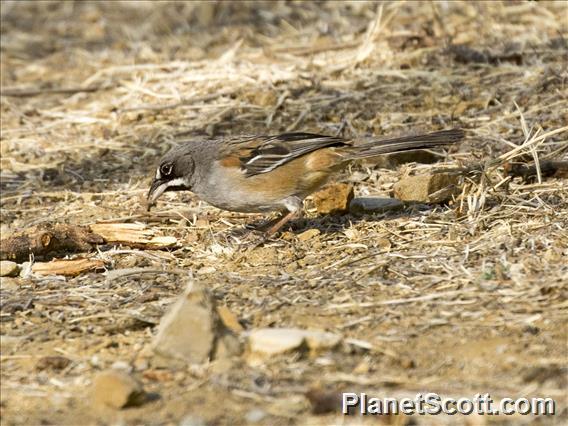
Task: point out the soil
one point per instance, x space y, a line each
460 298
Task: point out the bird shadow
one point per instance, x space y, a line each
253 233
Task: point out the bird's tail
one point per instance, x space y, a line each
405 143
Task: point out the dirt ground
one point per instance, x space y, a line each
462 298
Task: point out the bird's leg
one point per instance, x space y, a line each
294 206
281 222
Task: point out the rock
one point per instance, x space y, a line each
192 330
191 420
374 205
9 269
309 234
26 269
229 319
9 284
227 346
52 362
430 188
95 361
122 366
273 341
323 400
333 199
117 389
395 160
318 340
255 416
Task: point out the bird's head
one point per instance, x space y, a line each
174 173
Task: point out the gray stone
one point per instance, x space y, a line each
374 205
192 331
122 366
190 420
255 415
274 341
26 269
9 269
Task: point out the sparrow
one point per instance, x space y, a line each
253 174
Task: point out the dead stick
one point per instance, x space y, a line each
50 239
188 101
22 93
46 239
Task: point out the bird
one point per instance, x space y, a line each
268 173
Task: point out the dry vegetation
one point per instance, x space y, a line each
459 299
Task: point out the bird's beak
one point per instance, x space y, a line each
157 188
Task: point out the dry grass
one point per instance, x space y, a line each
459 299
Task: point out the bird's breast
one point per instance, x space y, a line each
229 188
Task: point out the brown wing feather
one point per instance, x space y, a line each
263 154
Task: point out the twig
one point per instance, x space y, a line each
190 101
22 93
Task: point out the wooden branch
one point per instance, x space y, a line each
47 241
67 267
188 101
132 234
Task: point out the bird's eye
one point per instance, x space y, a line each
165 169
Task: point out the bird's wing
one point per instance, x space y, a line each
262 154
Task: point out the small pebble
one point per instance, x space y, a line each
309 234
117 389
190 420
53 363
255 415
374 205
121 366
9 268
273 341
